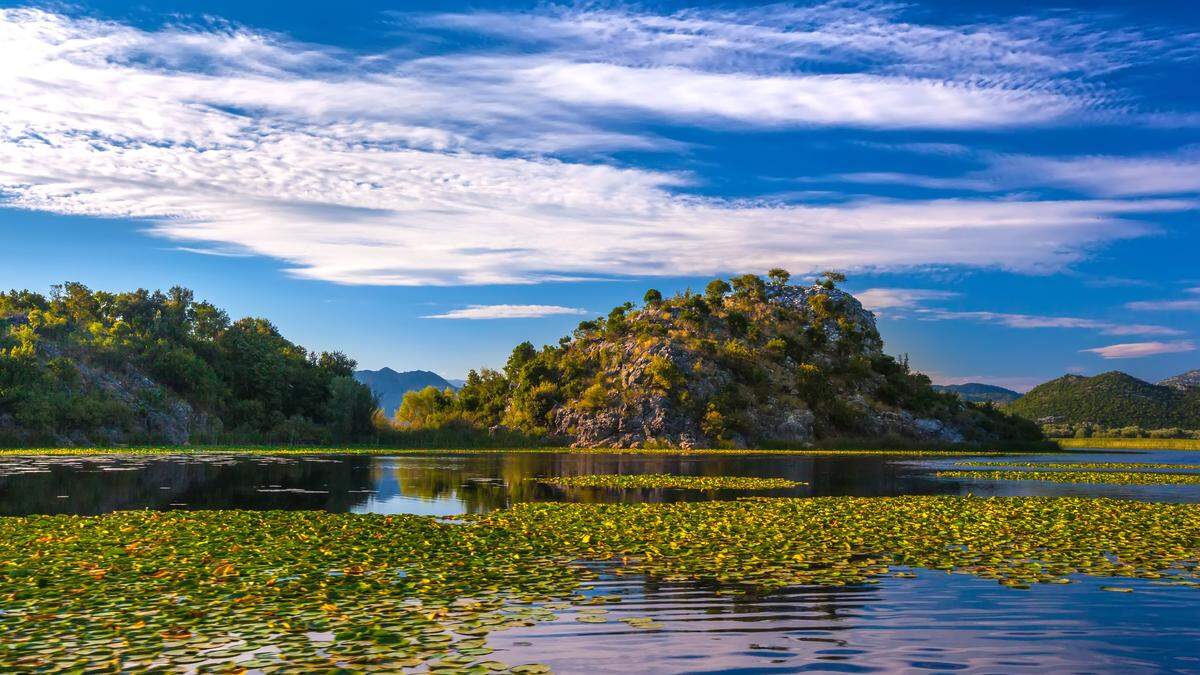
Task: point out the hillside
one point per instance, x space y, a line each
390 386
747 363
1111 399
1183 381
977 392
84 367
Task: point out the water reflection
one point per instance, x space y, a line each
443 484
937 622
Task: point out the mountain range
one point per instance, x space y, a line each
391 386
977 392
1114 399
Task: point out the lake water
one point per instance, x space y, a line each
937 622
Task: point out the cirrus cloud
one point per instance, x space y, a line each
397 170
1135 350
480 312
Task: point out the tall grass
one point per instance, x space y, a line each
1132 443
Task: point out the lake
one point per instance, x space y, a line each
935 622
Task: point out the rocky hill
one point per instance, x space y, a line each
977 392
1183 381
746 363
390 386
1112 399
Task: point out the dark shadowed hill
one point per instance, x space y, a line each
1112 399
977 392
390 386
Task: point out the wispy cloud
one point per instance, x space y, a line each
1038 321
900 298
456 169
477 312
1176 173
1134 350
1178 305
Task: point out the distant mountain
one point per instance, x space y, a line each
977 392
456 383
390 386
1111 399
1188 380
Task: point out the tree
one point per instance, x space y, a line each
830 279
421 408
779 276
715 291
652 297
521 354
749 286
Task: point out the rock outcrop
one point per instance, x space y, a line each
769 364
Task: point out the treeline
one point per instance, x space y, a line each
115 367
1086 430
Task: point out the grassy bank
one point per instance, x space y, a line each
1131 443
277 450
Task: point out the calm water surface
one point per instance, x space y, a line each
937 622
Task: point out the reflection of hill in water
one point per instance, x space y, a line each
462 483
470 483
99 485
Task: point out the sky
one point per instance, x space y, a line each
1012 187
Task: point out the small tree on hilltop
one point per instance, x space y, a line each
715 291
749 286
830 279
652 297
779 276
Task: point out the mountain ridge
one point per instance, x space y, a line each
1112 399
390 385
979 392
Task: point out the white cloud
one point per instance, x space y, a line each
866 35
373 169
1134 350
1182 305
1037 321
899 298
1105 176
476 312
1176 173
1165 305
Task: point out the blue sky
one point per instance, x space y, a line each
1013 187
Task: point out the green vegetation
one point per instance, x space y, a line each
1132 443
748 363
134 591
658 480
1096 477
839 540
328 450
1111 400
1084 465
95 367
121 592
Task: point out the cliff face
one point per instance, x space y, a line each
769 364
